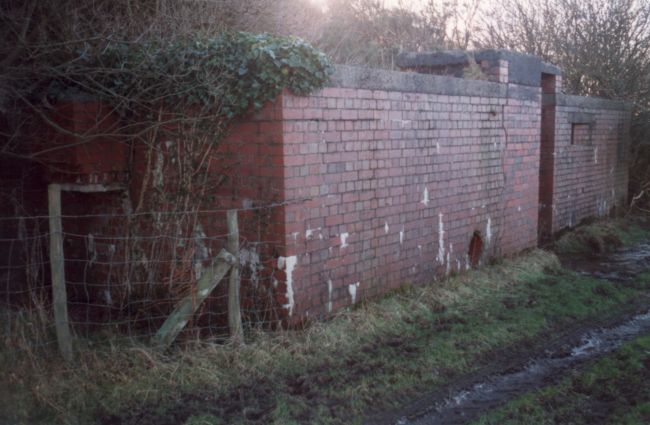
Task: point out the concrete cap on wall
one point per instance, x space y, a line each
379 79
588 102
523 68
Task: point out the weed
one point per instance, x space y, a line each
377 356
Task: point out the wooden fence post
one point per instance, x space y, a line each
234 305
186 308
57 268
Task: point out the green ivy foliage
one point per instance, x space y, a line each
227 75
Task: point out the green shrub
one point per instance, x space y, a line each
227 75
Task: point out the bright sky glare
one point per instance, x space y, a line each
411 4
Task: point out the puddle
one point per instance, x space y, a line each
469 404
466 405
619 266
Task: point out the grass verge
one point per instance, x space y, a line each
375 357
615 390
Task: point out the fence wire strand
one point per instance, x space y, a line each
123 284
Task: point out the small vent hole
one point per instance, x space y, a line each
475 249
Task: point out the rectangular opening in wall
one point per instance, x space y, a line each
580 134
582 124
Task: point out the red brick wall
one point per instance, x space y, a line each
591 178
99 157
22 242
388 187
251 157
350 192
520 189
254 155
357 163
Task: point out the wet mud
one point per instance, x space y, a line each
494 391
502 375
483 392
619 266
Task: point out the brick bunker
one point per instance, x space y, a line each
385 178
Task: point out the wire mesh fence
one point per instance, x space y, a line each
125 274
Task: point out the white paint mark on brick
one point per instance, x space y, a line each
288 264
596 155
425 196
441 240
329 295
344 239
353 291
386 228
310 232
601 207
107 297
401 236
488 231
451 250
295 236
437 147
252 258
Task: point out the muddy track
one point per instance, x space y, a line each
427 409
543 362
254 402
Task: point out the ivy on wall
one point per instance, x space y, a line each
184 92
225 75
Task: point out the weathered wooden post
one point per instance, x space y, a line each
228 259
186 308
57 264
234 305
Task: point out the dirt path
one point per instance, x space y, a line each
517 373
